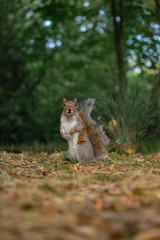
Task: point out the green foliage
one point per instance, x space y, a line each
128 125
122 139
150 146
73 54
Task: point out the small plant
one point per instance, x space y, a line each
127 122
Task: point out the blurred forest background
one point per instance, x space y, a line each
109 50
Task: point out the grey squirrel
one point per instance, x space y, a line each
86 140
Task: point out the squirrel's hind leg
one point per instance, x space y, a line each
84 154
73 156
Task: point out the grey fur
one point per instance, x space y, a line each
93 148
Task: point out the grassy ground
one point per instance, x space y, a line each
44 196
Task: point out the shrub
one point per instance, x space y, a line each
127 123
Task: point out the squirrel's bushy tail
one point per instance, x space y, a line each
95 132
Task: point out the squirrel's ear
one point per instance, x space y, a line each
75 100
64 100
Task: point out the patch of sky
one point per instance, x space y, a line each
90 25
147 53
155 25
86 4
150 50
32 41
118 19
147 39
100 27
58 43
47 23
158 47
139 37
155 54
137 70
157 38
100 30
79 19
156 31
129 59
29 14
101 12
147 12
148 63
50 43
83 28
144 48
41 5
129 41
132 58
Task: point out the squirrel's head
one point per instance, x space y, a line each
69 107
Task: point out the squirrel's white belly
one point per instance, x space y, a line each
73 138
68 124
73 146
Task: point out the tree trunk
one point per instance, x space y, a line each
156 86
116 9
157 2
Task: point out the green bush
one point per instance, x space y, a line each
127 123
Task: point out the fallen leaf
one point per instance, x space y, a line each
99 204
112 167
151 234
84 230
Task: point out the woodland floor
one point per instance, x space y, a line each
46 197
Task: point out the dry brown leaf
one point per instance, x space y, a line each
111 168
69 220
117 230
99 204
113 199
68 186
130 150
49 207
151 234
97 222
85 231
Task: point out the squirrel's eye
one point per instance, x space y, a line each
64 104
75 105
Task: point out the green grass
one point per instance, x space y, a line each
150 146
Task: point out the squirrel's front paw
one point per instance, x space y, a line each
64 135
73 129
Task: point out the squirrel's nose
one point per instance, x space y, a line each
69 110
